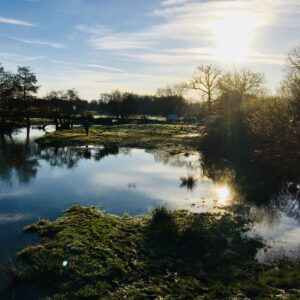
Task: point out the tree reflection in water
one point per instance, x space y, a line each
189 182
18 157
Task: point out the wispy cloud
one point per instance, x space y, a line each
97 66
103 38
184 56
39 42
96 29
15 22
173 2
19 58
120 42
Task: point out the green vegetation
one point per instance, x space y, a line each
172 138
87 254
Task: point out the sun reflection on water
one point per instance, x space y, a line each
223 195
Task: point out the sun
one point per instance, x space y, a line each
233 35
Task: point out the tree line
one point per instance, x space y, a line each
221 93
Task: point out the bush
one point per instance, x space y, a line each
163 225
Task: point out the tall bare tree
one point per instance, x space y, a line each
294 58
241 83
205 80
290 87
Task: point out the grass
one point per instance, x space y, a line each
172 138
168 255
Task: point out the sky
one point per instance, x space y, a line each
97 46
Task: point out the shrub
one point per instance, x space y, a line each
163 225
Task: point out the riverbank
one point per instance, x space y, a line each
172 138
87 254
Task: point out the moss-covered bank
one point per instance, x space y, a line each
173 138
87 254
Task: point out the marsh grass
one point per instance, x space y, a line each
174 139
163 225
16 271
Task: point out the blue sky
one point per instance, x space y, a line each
96 46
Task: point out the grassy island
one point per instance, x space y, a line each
173 138
87 254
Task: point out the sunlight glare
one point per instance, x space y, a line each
223 195
233 35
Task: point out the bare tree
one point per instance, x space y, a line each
177 90
242 83
294 58
205 80
164 92
172 98
290 87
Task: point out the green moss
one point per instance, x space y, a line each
173 138
87 254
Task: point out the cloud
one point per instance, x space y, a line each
15 22
39 42
103 38
98 29
191 24
97 66
174 2
120 42
184 56
19 58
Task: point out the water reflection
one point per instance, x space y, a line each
278 224
189 182
17 159
271 193
224 195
